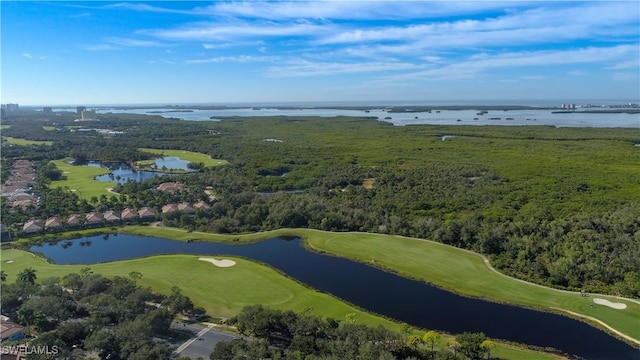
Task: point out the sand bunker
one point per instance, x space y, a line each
9 261
610 304
219 263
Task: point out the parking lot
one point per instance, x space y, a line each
202 342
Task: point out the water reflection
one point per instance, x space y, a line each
121 173
411 301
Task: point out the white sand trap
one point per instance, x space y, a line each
219 263
9 261
610 304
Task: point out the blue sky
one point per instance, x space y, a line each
296 51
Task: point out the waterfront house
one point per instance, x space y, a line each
111 216
146 213
93 219
128 215
32 226
53 223
169 208
74 221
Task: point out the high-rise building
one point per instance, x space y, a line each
88 114
47 110
12 107
80 109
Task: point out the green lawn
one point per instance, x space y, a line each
48 128
80 179
457 270
224 291
16 141
193 157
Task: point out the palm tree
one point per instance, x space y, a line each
135 276
3 276
27 275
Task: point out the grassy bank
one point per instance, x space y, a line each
81 180
454 269
224 291
193 157
23 142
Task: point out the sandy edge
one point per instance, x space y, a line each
219 263
610 304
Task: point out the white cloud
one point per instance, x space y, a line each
304 68
27 55
478 63
628 64
351 10
100 47
532 26
236 59
578 73
625 76
134 42
236 30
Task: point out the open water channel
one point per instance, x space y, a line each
372 289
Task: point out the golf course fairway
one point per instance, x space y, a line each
224 291
460 271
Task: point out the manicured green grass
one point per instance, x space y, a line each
224 291
188 156
80 179
461 271
48 128
22 142
221 291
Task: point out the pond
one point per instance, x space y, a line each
372 289
122 172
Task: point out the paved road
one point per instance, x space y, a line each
202 342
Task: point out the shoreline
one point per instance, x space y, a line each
305 234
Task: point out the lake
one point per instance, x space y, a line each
121 172
435 117
372 289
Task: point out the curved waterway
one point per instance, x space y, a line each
381 292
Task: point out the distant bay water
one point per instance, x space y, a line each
543 117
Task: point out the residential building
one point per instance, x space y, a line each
93 219
128 215
75 220
32 226
201 205
170 187
186 208
111 216
169 208
53 222
10 331
146 213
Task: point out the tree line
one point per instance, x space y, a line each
85 313
276 334
557 206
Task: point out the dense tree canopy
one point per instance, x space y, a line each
557 206
85 312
